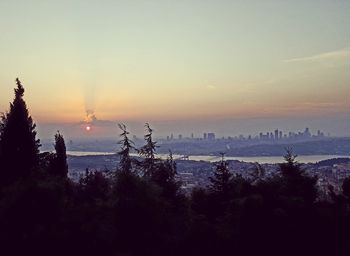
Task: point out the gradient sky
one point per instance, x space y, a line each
179 60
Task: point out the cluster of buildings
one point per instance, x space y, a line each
331 176
275 135
206 136
279 135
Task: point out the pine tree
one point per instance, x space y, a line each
294 180
19 148
164 176
148 151
125 163
221 182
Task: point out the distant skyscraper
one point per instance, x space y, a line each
307 132
211 136
276 134
320 134
180 136
205 135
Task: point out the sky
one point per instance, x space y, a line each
185 66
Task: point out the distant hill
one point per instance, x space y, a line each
328 146
333 161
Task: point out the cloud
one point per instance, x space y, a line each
211 87
325 56
99 122
92 119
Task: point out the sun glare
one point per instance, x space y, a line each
88 128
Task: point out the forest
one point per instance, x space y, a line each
139 207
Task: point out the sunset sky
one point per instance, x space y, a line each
187 61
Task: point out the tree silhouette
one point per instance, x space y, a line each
125 163
148 152
19 148
164 176
221 182
59 166
294 181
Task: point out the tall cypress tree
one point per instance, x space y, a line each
19 147
59 166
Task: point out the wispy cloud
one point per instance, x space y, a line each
211 87
325 56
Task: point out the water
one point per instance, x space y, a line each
89 153
259 159
271 159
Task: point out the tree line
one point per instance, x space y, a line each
140 208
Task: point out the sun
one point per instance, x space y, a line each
88 128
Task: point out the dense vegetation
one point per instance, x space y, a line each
140 209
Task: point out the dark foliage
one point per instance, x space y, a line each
125 163
148 152
221 182
58 162
19 148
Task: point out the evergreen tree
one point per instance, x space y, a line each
19 148
221 182
164 176
148 151
294 181
95 184
125 163
59 166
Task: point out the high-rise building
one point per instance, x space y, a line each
205 135
307 132
211 136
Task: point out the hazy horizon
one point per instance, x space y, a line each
335 126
